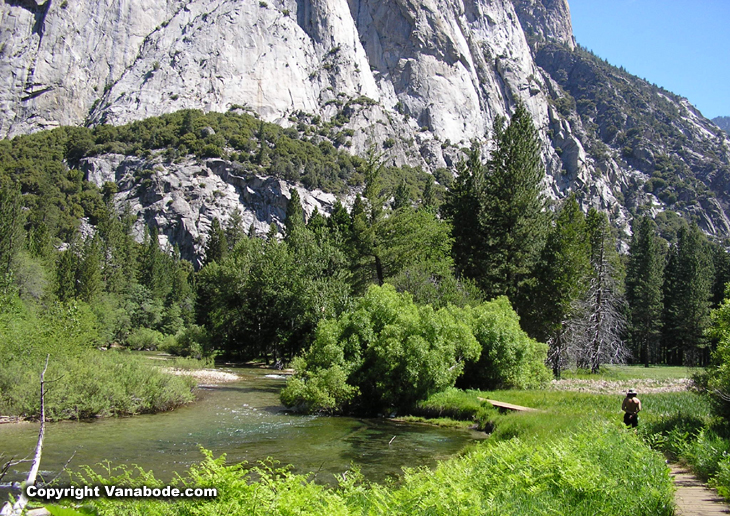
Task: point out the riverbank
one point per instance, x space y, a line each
245 421
4 420
94 384
574 457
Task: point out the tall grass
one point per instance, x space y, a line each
93 384
456 404
82 381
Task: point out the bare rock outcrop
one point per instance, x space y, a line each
182 199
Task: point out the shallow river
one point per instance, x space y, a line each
246 421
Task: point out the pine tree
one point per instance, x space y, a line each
401 196
687 290
340 221
498 211
721 262
11 231
560 281
117 250
644 279
462 206
272 233
89 278
513 208
217 245
294 214
367 213
66 270
153 273
234 229
317 222
428 199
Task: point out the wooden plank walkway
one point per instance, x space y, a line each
509 406
694 498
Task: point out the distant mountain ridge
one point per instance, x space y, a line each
723 122
418 80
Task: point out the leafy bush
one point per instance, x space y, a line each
192 341
509 359
326 390
716 379
144 338
393 351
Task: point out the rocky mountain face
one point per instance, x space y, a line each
419 79
184 197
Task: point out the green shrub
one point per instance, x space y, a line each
192 341
509 358
396 353
325 391
393 351
144 338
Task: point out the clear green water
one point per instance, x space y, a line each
246 421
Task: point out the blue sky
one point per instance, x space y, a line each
683 46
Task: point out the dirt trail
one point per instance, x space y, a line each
694 498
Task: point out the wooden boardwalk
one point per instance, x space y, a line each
509 406
694 498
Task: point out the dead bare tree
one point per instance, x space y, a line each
594 332
5 468
17 508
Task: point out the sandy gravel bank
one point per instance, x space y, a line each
205 376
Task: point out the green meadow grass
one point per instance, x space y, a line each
632 372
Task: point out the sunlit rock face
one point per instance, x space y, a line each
431 75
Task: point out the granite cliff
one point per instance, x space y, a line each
418 79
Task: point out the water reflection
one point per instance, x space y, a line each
246 421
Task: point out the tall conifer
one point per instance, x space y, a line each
234 229
498 211
11 230
644 278
560 281
294 214
217 245
687 293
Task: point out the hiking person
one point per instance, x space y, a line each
631 406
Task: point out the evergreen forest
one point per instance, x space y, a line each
490 243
